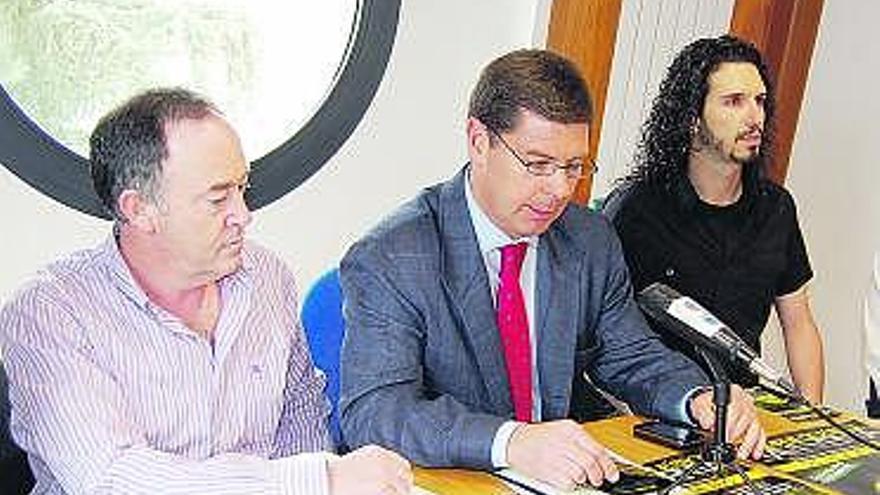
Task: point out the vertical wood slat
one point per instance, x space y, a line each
785 31
585 31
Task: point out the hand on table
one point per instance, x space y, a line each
560 453
370 470
742 421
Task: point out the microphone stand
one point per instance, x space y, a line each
717 453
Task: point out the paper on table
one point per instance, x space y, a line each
420 491
526 485
516 481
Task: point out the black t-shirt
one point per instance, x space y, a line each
734 260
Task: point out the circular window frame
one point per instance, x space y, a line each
46 165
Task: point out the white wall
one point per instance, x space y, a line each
412 136
834 178
649 36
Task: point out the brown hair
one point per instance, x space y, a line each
539 81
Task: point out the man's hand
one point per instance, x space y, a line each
370 470
742 421
560 453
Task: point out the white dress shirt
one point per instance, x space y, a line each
491 239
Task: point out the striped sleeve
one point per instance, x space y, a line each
302 426
145 471
70 414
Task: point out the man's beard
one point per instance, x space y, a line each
706 141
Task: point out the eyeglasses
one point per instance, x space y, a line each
545 167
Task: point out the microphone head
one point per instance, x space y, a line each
664 305
657 296
685 318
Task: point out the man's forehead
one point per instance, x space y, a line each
736 77
221 183
204 152
523 116
186 125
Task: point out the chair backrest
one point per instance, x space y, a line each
15 474
322 321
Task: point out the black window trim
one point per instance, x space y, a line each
36 158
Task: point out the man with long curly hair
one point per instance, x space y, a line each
698 213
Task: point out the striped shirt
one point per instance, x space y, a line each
112 394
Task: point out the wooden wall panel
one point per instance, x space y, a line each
585 31
785 31
649 35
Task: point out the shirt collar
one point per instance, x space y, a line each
489 236
120 273
125 282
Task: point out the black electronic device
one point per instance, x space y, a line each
670 435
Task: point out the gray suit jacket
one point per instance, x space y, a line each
422 365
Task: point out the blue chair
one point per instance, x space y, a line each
15 474
324 327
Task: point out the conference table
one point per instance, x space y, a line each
805 456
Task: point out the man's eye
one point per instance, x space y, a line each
218 201
541 165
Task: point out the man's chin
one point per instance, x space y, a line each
745 159
537 225
746 156
236 261
229 265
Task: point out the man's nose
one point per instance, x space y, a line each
559 184
756 114
239 213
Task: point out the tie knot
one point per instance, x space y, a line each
512 256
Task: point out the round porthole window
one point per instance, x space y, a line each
295 78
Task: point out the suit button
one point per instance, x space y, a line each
670 272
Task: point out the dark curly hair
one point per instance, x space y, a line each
661 158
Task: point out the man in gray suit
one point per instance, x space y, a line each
474 311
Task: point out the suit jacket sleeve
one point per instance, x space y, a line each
629 358
384 397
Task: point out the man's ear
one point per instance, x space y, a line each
138 211
478 140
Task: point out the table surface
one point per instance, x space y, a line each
614 433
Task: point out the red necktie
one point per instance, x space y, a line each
513 325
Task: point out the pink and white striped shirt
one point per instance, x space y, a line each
112 394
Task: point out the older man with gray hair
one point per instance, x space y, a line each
170 359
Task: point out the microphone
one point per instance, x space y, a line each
692 322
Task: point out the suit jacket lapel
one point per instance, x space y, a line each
557 309
465 279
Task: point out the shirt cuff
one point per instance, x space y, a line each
499 444
684 410
304 474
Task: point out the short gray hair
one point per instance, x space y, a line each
128 146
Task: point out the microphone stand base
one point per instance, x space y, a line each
722 459
717 452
